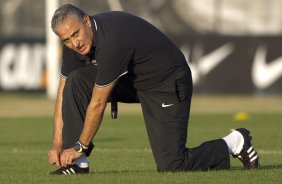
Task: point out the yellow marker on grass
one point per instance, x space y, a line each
241 116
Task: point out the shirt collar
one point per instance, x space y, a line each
94 41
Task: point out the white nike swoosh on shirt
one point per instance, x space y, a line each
264 74
166 105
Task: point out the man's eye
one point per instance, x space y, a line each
66 41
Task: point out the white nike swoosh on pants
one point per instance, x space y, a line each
166 105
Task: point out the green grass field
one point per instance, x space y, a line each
122 153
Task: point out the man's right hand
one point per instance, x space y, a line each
54 155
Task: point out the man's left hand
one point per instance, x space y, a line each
69 156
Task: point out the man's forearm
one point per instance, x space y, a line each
93 119
58 129
58 119
94 113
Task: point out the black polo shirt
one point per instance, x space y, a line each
129 47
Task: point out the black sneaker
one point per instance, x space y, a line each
248 156
70 170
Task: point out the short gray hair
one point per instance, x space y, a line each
64 11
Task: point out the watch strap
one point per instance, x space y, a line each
79 147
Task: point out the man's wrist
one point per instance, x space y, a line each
57 144
79 147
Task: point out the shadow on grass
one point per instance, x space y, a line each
125 171
266 167
271 167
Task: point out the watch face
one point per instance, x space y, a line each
77 147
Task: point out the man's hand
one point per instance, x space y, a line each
54 155
69 155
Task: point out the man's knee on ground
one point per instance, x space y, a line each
174 166
169 169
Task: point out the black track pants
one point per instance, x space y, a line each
166 117
76 97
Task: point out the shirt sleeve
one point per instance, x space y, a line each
71 61
112 63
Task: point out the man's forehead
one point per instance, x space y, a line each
69 21
68 26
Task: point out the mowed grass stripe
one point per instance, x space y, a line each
36 105
145 150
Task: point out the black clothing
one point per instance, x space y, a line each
124 43
151 70
166 126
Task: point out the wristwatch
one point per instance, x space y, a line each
80 148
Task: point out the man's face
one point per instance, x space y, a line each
76 34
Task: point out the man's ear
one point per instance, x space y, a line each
87 21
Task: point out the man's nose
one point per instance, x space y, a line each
75 42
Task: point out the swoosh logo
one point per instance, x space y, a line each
167 105
211 60
265 74
206 63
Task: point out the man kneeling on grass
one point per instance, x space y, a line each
118 57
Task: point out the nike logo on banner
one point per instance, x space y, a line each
211 60
166 105
206 63
264 74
